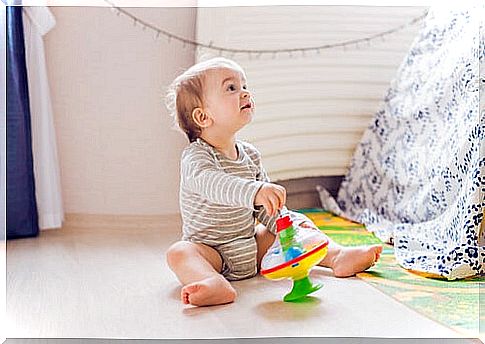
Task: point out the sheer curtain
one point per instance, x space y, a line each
37 22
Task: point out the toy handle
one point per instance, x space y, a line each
283 211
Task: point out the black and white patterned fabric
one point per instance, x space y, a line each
417 178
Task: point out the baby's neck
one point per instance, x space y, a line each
226 146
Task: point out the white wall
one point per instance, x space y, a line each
117 151
311 111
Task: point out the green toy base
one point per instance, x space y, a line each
301 288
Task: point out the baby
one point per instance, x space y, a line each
224 189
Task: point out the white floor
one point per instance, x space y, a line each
103 281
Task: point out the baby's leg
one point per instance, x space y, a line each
198 267
346 261
264 240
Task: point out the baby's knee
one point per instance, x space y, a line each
178 252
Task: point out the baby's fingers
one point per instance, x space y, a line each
280 193
268 206
275 202
283 201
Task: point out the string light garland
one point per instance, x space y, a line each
157 33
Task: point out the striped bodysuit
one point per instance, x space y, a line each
217 204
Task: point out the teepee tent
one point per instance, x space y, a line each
417 178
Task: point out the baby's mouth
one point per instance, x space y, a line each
247 106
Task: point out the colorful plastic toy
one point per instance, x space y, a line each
295 251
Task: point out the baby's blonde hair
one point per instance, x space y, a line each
186 93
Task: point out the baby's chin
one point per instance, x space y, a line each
250 117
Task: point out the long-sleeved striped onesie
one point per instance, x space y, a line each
217 204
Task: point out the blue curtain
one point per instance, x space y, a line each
22 218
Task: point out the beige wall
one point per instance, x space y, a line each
117 151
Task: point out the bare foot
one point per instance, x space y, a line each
351 260
210 291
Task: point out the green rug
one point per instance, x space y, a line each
455 304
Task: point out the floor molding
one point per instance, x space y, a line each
117 221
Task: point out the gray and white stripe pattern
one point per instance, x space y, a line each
217 203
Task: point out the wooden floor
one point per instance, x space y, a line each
107 278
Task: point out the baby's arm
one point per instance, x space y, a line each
268 215
201 175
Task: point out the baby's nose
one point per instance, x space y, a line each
245 94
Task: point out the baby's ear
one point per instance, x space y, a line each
201 118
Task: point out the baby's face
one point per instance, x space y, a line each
228 100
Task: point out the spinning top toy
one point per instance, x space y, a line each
295 251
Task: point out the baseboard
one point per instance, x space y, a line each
302 192
111 221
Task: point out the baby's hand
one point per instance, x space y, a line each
272 197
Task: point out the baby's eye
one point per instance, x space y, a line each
245 87
231 88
